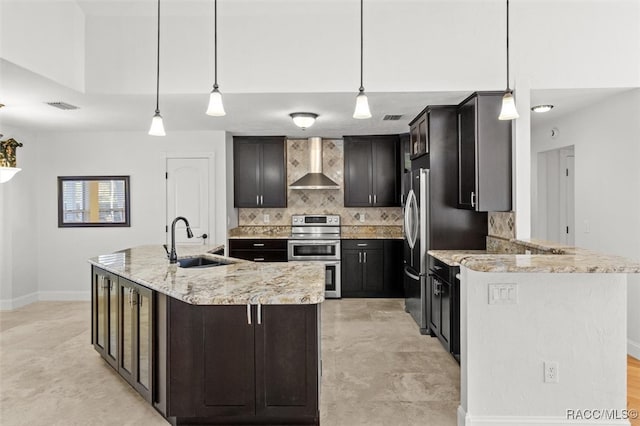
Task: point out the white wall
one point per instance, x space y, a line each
606 137
46 37
50 263
19 226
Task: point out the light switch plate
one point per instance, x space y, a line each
503 294
362 215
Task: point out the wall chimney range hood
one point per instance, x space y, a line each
315 179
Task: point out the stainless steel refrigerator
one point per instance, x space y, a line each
432 220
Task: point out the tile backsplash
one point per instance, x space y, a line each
319 201
502 225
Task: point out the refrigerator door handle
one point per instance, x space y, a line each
410 230
410 275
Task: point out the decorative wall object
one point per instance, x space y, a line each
8 152
318 200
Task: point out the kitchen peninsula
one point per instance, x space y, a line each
235 343
542 335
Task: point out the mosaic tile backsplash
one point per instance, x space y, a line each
319 201
502 224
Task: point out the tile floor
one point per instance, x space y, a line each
377 370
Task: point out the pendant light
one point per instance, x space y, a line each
508 111
157 126
362 103
215 108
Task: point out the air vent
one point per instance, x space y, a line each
389 117
62 105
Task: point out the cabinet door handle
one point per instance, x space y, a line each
257 200
402 198
258 244
259 314
369 198
473 199
261 200
365 257
362 244
248 314
359 257
258 259
375 198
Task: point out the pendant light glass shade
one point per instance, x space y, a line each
215 108
508 110
6 173
157 126
303 119
362 106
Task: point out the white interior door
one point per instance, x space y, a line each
188 195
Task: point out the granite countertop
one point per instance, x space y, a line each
346 232
238 283
561 259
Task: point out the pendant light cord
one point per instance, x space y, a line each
215 44
361 45
158 66
507 44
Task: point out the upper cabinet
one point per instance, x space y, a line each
484 154
419 135
372 171
259 171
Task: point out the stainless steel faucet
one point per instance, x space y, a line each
173 256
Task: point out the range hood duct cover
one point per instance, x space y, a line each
315 179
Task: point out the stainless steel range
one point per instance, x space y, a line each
317 238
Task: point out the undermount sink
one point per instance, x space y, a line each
200 262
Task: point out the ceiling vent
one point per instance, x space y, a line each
62 105
390 117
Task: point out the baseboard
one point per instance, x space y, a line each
64 295
18 302
464 419
633 348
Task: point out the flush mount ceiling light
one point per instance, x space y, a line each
8 167
362 103
508 110
215 108
157 126
542 108
303 119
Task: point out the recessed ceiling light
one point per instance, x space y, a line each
303 119
542 108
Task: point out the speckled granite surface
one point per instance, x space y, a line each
556 259
347 232
239 283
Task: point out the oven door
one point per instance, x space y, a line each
313 250
332 286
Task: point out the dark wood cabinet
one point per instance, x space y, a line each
104 307
371 268
259 250
484 154
444 304
372 171
248 365
260 174
419 135
136 336
122 328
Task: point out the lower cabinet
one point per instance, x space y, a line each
444 304
259 250
122 328
242 365
372 268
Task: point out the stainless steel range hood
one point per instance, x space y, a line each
315 179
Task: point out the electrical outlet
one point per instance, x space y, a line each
265 218
551 372
361 217
587 227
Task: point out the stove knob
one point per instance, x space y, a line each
295 219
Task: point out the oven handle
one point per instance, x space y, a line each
313 242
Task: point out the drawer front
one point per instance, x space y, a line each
439 268
260 255
362 244
258 244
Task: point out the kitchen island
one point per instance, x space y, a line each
542 336
236 343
